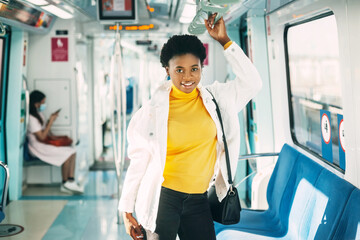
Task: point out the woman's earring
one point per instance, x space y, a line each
168 77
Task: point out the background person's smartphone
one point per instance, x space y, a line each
57 111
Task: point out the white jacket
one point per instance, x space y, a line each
147 137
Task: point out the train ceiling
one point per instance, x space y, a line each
164 14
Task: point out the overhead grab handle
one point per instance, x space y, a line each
199 18
213 8
197 25
206 8
196 30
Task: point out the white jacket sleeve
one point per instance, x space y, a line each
139 155
246 84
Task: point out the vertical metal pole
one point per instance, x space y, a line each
121 119
113 98
119 93
118 113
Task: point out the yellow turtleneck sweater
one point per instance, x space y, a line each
191 144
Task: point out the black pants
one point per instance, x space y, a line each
187 215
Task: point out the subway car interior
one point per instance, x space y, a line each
97 63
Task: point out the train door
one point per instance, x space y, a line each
250 125
258 117
4 62
248 116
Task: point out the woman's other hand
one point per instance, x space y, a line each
218 31
131 223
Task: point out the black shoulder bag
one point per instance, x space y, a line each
228 210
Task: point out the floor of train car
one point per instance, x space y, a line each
46 213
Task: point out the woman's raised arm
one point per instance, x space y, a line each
247 82
41 135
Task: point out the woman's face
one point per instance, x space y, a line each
38 104
185 72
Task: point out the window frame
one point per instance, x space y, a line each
291 110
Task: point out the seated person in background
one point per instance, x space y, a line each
38 132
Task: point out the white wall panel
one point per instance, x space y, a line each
55 79
352 99
58 95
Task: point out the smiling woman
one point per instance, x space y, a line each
172 165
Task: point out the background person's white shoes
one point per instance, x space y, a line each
64 190
72 186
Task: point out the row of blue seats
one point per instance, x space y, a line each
306 201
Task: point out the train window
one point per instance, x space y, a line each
312 54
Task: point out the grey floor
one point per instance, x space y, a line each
46 213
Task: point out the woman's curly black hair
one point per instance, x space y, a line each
182 44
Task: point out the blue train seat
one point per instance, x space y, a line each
4 181
349 224
37 171
305 202
30 160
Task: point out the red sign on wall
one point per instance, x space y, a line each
59 49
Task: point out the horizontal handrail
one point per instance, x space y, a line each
324 105
257 155
251 156
246 177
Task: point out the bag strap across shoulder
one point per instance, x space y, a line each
224 140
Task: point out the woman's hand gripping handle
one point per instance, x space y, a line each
218 30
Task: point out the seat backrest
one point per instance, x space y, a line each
300 184
307 195
27 156
4 181
280 177
349 223
290 169
324 209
